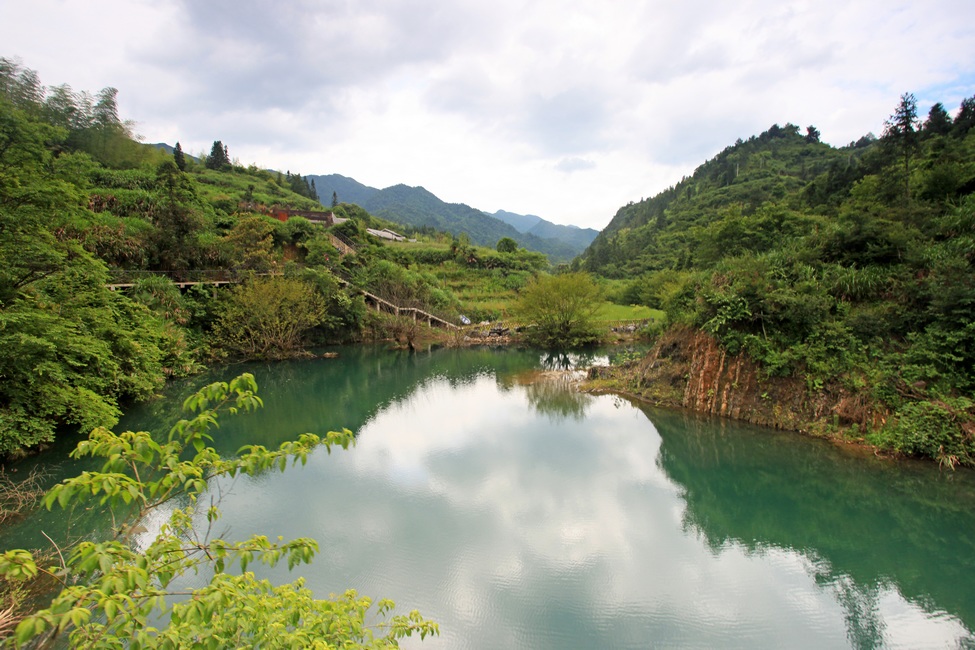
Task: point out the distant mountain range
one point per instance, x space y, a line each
416 206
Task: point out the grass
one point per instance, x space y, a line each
420 243
612 312
486 294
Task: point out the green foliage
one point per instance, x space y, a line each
296 230
937 429
901 135
560 309
403 287
219 158
344 313
507 245
938 121
301 186
177 218
267 317
91 123
117 593
849 268
250 243
70 347
770 171
77 194
179 158
178 354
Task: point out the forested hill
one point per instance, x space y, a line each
781 167
851 270
419 208
724 207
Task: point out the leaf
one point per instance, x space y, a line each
27 629
63 495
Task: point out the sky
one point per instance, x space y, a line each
565 109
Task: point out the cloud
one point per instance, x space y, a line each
569 165
493 104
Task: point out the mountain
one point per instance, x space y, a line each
420 208
522 222
682 226
346 190
533 225
572 235
817 288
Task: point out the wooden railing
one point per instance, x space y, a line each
123 279
126 279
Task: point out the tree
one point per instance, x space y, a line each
507 245
178 217
938 122
901 133
335 199
267 317
179 158
560 309
69 347
965 119
218 158
250 243
112 590
812 134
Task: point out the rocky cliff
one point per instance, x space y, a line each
689 369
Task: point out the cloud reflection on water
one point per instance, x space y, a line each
518 520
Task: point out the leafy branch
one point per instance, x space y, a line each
115 592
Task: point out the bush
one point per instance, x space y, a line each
939 430
267 317
560 309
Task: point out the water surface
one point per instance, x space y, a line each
519 513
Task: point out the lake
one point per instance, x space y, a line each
517 512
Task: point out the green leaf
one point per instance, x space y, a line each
27 629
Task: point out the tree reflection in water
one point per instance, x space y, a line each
868 526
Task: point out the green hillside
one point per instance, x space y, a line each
848 270
342 188
781 167
852 269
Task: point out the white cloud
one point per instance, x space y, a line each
574 164
493 104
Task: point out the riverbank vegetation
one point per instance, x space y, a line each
126 264
848 271
786 282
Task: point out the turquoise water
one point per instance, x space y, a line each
519 513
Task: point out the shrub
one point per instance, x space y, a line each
267 317
940 430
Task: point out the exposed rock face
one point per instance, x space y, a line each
691 370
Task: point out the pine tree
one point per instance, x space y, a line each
901 132
965 119
938 122
218 158
179 158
